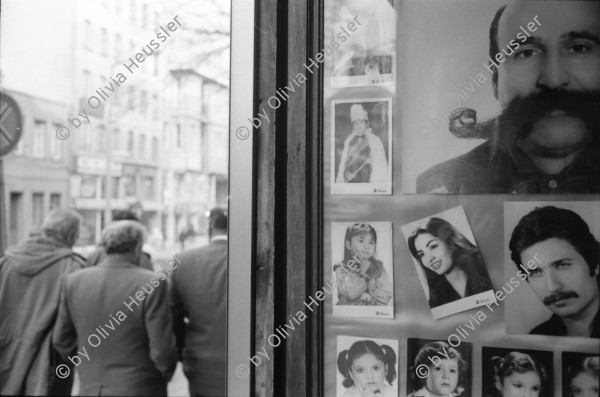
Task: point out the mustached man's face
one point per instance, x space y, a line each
562 277
563 53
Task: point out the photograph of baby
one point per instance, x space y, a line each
361 146
448 263
580 375
435 368
367 367
362 260
365 32
516 372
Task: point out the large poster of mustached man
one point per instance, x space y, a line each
511 106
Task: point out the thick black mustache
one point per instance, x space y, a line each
521 113
558 295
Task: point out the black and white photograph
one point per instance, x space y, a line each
580 375
367 367
516 372
436 368
511 107
114 186
448 262
361 146
363 269
552 268
365 32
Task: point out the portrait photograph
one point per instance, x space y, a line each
363 270
367 367
435 368
361 146
448 262
516 372
486 110
365 33
580 374
551 268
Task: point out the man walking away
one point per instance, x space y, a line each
30 277
198 293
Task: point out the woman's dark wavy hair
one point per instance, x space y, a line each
384 353
548 222
516 362
440 349
362 229
587 365
465 254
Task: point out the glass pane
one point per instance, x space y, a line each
125 117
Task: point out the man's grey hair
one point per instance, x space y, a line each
123 237
62 225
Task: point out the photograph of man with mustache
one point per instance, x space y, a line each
547 138
566 277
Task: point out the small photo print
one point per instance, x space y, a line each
448 262
361 253
365 32
436 368
580 374
506 372
361 146
367 367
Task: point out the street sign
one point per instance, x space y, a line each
10 124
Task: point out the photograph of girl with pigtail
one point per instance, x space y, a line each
362 269
367 367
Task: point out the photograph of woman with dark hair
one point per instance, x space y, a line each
368 369
452 265
581 375
438 370
516 373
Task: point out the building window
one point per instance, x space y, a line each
39 139
132 10
37 213
144 101
54 201
155 106
147 187
130 142
178 135
115 187
101 136
88 33
116 138
129 188
131 98
118 44
87 82
143 146
119 7
88 186
56 146
104 42
145 16
155 149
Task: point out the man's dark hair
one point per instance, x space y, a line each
494 49
124 215
218 218
548 222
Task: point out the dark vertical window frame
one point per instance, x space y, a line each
289 198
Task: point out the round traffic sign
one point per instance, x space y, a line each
10 124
